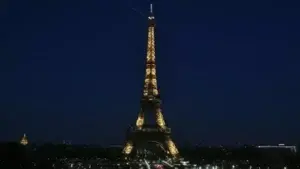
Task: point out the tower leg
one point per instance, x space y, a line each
172 148
160 118
140 120
128 148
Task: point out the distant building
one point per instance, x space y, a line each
66 142
24 140
279 146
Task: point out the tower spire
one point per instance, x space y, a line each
151 16
151 8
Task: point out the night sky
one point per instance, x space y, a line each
228 71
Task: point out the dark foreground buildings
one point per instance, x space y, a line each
15 155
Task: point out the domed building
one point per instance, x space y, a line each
24 140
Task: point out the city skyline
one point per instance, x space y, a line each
227 73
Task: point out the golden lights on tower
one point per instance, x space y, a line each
172 148
160 119
128 148
151 93
140 120
150 85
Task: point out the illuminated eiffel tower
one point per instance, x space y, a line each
142 133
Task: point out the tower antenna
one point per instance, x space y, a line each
151 8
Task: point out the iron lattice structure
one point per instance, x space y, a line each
141 133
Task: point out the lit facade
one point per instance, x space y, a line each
292 148
24 140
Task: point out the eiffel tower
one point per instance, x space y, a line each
142 133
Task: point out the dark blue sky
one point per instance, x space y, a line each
228 71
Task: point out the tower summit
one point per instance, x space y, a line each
151 8
143 132
151 17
